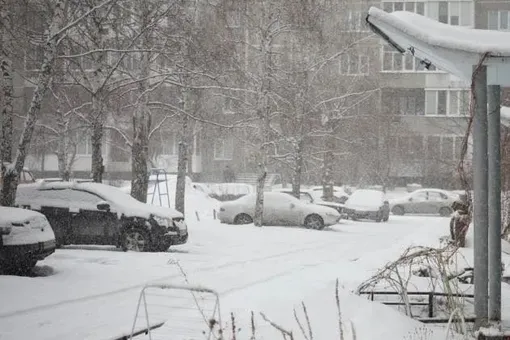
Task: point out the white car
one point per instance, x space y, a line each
367 203
26 237
279 209
424 201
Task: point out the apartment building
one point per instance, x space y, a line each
429 109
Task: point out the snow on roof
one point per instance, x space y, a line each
438 34
453 49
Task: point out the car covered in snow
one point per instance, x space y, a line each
367 204
26 237
95 213
308 197
280 209
425 201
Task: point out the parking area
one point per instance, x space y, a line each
91 292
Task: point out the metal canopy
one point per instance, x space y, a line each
458 59
460 51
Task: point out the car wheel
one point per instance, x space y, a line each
445 211
243 219
398 210
136 239
314 221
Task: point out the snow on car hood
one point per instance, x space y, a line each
26 227
17 215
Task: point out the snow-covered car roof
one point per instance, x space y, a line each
366 197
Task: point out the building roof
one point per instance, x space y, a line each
453 49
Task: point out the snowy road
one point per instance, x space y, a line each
92 293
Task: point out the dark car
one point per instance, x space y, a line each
94 213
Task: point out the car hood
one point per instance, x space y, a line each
330 204
145 210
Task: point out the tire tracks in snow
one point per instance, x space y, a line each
199 270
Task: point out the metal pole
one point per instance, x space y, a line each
480 187
494 154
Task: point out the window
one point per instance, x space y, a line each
224 149
447 148
354 64
436 196
420 196
446 102
393 60
451 12
458 146
499 20
416 7
354 21
233 19
433 147
407 106
229 106
84 144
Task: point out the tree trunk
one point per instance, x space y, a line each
180 186
139 155
327 169
298 169
50 51
182 160
7 110
259 203
97 139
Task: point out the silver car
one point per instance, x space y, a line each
279 209
424 201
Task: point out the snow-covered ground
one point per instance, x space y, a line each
91 292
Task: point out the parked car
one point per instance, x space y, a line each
24 177
424 201
367 204
307 196
279 209
26 237
340 194
94 213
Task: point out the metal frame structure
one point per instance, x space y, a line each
164 173
192 289
487 67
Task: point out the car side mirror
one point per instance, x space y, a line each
292 205
103 206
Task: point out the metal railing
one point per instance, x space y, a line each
431 318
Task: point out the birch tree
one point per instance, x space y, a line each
7 92
57 28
